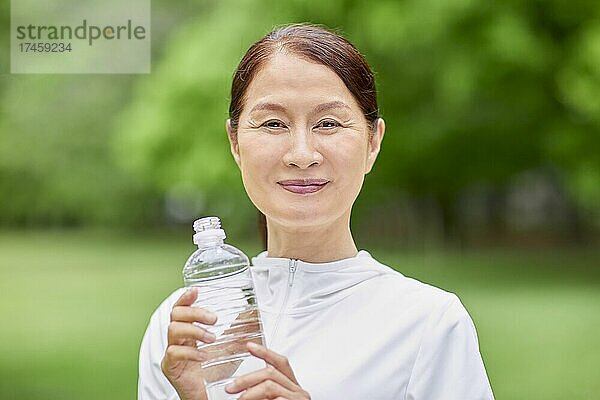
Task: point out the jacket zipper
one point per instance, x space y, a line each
292 266
292 274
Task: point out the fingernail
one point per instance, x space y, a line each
230 387
211 336
253 345
213 317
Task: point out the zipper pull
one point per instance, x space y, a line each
292 272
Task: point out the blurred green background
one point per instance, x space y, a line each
487 185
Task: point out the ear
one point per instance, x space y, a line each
233 143
374 144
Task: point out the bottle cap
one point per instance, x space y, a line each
209 235
205 223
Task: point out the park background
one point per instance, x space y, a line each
487 185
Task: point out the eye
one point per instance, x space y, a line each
328 124
273 124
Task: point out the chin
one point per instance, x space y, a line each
300 217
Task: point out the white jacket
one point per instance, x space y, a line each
352 329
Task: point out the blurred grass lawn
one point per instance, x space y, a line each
74 307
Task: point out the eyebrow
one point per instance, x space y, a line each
267 106
329 106
318 109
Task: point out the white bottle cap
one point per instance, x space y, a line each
209 235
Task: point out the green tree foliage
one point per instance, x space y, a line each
55 166
56 161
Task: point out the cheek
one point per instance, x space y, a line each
257 160
349 157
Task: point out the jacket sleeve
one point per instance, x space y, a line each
448 365
152 383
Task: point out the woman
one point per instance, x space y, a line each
304 130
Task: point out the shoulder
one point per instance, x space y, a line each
411 291
440 312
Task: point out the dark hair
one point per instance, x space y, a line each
316 44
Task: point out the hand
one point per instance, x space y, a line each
182 360
276 381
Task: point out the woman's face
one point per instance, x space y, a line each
302 145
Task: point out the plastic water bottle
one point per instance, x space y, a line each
221 274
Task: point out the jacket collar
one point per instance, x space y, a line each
289 286
263 260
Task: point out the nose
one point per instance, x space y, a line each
301 151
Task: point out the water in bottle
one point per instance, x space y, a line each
221 274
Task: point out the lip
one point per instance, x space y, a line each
303 186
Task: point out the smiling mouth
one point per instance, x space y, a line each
303 186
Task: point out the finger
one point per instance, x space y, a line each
180 332
188 298
193 314
177 353
280 362
262 375
266 390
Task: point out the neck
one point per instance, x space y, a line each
316 244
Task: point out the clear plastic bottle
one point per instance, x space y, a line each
221 273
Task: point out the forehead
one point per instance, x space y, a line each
291 80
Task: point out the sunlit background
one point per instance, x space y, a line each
487 185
